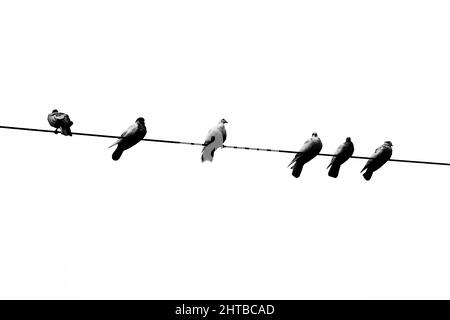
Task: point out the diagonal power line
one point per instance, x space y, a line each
225 146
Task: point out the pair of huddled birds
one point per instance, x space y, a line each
217 136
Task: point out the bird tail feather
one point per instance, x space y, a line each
367 175
334 171
205 159
117 154
208 157
297 170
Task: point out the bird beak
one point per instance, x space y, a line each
225 121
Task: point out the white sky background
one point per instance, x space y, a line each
159 223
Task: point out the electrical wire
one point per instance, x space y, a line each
225 146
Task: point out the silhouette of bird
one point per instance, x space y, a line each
60 120
378 159
214 140
135 133
310 149
342 154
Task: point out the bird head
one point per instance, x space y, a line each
54 110
223 121
140 120
348 139
315 134
388 143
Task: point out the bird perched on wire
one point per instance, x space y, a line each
135 133
378 159
342 154
60 120
214 140
310 149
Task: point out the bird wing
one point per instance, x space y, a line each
307 148
378 152
337 154
343 153
340 150
210 138
383 155
132 130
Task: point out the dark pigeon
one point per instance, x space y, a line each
342 154
310 149
60 120
378 159
129 138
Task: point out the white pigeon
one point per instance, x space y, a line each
378 159
214 140
310 149
342 154
135 133
60 120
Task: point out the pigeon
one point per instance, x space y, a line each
378 159
60 120
342 154
214 140
307 152
135 133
